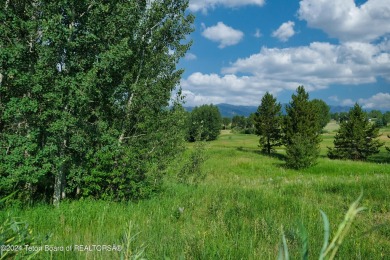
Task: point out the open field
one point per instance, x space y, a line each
236 212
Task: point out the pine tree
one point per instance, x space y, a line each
268 123
356 138
301 131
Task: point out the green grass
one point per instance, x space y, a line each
236 212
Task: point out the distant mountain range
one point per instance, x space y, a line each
228 110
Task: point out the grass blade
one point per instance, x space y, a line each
305 241
326 234
283 249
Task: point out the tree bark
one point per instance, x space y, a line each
58 187
59 181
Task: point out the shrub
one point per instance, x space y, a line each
191 172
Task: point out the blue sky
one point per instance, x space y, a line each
338 49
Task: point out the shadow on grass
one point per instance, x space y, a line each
379 158
272 155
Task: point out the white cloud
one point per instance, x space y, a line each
225 35
213 88
347 102
257 34
362 57
190 56
317 65
379 101
285 31
204 5
344 20
192 99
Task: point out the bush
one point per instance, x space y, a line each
191 172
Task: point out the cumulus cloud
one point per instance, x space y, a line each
204 5
228 88
347 102
379 100
285 31
362 56
347 21
225 35
192 99
316 66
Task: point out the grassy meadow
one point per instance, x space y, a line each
236 212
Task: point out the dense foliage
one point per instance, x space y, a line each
84 91
204 123
244 125
301 131
226 122
268 123
322 110
381 120
239 122
356 138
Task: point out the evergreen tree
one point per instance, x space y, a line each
84 91
356 138
268 123
301 131
204 122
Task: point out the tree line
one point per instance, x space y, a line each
299 130
377 117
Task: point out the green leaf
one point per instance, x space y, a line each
326 234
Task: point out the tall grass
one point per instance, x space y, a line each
235 213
